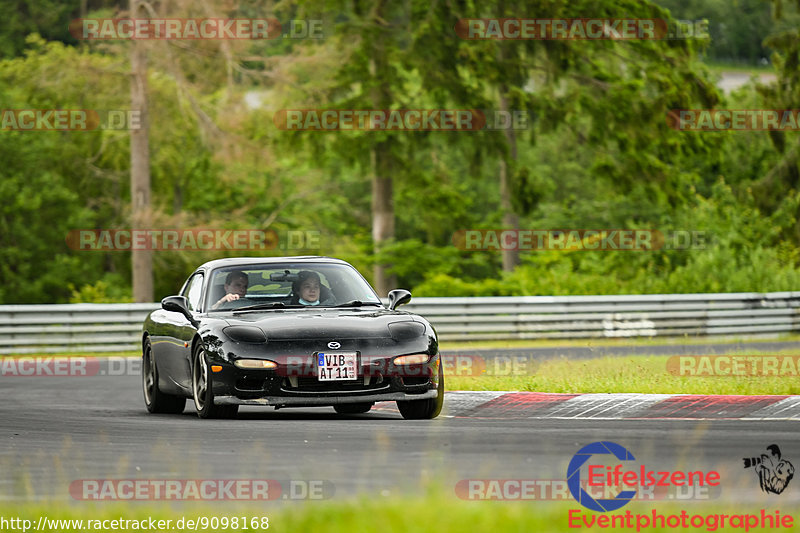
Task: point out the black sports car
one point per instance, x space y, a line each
287 331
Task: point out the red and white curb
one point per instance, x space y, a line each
491 404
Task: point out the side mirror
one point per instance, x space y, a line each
178 304
398 297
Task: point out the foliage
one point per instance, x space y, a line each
111 289
597 152
737 27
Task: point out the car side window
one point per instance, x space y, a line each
193 290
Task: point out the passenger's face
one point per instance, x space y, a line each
237 286
309 290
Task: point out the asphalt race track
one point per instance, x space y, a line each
57 431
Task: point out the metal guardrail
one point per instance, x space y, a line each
72 327
117 327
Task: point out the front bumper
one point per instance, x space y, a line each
324 401
295 382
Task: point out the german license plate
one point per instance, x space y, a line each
336 366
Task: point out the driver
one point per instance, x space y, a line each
235 287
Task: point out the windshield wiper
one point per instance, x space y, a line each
271 305
357 303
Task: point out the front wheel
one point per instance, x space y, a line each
155 400
203 391
424 409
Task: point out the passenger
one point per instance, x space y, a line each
307 290
235 287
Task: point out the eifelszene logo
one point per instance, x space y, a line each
574 476
774 473
611 479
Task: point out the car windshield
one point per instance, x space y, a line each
284 285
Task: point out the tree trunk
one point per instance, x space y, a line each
382 214
510 218
381 163
142 260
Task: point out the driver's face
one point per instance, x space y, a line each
237 286
309 291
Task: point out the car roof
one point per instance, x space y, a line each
246 261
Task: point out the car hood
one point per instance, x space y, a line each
291 324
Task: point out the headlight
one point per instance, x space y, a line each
249 334
401 331
416 359
260 364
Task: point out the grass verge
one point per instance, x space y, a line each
646 374
434 513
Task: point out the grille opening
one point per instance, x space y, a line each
255 384
308 384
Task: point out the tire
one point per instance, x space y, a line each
203 390
424 409
155 400
353 408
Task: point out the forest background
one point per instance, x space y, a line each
596 153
